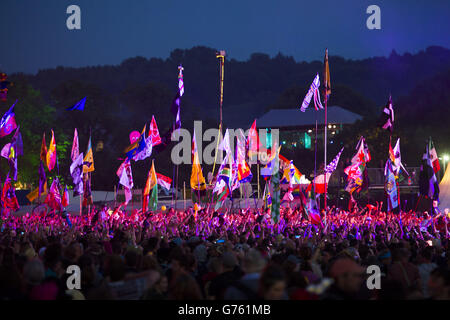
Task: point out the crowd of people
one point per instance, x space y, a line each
203 254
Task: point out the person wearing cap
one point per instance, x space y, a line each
348 278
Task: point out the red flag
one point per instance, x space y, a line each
153 132
9 198
65 198
253 142
164 181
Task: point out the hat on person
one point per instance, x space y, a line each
345 265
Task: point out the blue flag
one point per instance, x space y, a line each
78 106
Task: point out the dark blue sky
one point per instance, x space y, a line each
33 33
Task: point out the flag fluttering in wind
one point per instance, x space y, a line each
11 151
51 153
253 142
88 165
65 198
197 178
9 199
313 91
428 183
222 191
225 144
151 186
391 186
79 105
153 132
43 150
396 159
386 120
433 157
37 193
87 192
137 147
267 196
177 100
75 146
319 183
53 199
164 181
333 164
126 179
243 169
8 122
76 171
357 176
275 182
326 75
272 167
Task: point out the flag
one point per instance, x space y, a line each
176 101
225 173
319 183
164 181
433 156
17 143
43 150
386 120
42 178
75 146
333 164
147 152
428 183
150 185
8 122
357 177
53 199
137 147
275 181
225 144
79 105
222 191
391 187
51 153
76 171
65 198
243 169
312 211
87 192
125 174
37 193
9 198
313 91
197 178
253 142
396 159
88 165
153 132
267 196
326 75
272 166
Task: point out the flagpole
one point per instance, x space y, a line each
325 151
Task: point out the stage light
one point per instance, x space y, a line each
309 131
446 157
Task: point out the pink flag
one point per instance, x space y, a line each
75 147
154 132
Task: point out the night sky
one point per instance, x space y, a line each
34 35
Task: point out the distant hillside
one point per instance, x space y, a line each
258 81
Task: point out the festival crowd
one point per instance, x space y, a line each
242 255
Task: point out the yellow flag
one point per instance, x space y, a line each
151 180
197 178
33 195
88 165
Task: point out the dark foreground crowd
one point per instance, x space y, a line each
192 255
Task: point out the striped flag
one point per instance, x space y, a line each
164 181
333 164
